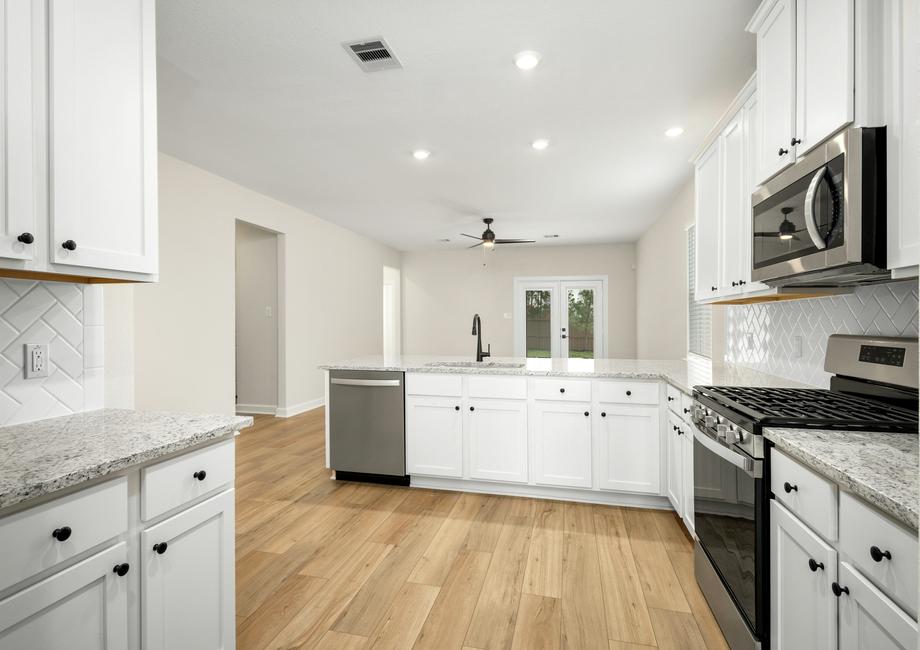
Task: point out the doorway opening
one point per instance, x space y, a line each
392 328
562 316
259 303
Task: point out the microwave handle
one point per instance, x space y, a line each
810 221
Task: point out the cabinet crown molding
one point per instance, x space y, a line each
760 15
746 92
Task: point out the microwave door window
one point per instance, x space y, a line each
779 222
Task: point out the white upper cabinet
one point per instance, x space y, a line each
824 60
734 210
103 144
774 25
708 202
17 197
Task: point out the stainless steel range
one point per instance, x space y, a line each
874 388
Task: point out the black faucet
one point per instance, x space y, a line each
477 332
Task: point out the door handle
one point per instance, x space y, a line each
810 221
364 382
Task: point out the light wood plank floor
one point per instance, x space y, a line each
322 564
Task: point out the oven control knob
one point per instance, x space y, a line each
722 430
709 421
732 436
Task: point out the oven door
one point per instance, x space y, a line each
730 521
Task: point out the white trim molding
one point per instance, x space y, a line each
256 409
297 409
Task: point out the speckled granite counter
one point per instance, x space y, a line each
48 455
684 374
882 468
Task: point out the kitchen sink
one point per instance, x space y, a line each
511 365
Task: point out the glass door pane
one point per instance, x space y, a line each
578 335
538 323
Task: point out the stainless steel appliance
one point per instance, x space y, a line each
367 426
822 221
874 389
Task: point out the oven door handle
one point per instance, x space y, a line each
811 221
752 467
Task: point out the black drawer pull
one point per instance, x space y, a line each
70 245
628 393
837 589
26 238
587 414
456 408
878 554
200 475
160 548
603 414
686 411
670 399
814 566
472 408
61 534
789 487
121 570
562 390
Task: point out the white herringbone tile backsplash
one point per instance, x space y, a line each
68 317
789 339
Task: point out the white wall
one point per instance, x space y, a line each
256 319
442 290
661 282
119 345
184 325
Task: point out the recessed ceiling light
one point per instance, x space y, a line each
527 60
540 144
421 154
550 236
674 131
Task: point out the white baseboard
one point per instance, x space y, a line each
297 409
542 492
256 409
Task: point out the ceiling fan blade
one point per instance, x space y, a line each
463 234
515 241
475 245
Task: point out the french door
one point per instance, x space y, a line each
561 317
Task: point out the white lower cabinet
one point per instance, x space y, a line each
687 510
84 606
802 571
434 430
188 576
868 619
497 434
562 443
675 463
629 448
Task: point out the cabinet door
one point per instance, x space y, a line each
751 126
802 569
629 446
85 607
103 142
675 461
562 444
187 592
708 239
498 440
686 441
17 200
776 88
868 619
733 213
434 430
824 60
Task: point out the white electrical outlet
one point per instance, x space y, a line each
797 347
36 360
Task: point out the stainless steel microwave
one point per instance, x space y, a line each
822 221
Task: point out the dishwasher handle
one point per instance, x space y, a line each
364 382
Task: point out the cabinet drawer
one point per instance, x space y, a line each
434 385
498 387
865 532
177 481
812 498
93 516
628 392
674 399
686 406
568 390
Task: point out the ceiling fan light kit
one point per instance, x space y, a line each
488 240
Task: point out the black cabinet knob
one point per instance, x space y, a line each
837 589
603 414
587 414
814 566
713 288
200 475
160 548
472 408
680 431
789 487
670 399
121 570
26 238
562 390
674 427
686 410
61 534
734 284
70 245
783 152
878 554
456 408
794 141
741 282
628 393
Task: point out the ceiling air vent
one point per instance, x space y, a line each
372 54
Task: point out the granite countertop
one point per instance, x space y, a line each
683 374
49 455
882 468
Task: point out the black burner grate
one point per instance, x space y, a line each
812 407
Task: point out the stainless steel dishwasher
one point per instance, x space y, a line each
367 426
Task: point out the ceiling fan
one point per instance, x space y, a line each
787 229
487 239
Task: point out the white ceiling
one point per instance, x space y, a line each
264 94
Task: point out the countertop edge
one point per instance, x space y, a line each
905 514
